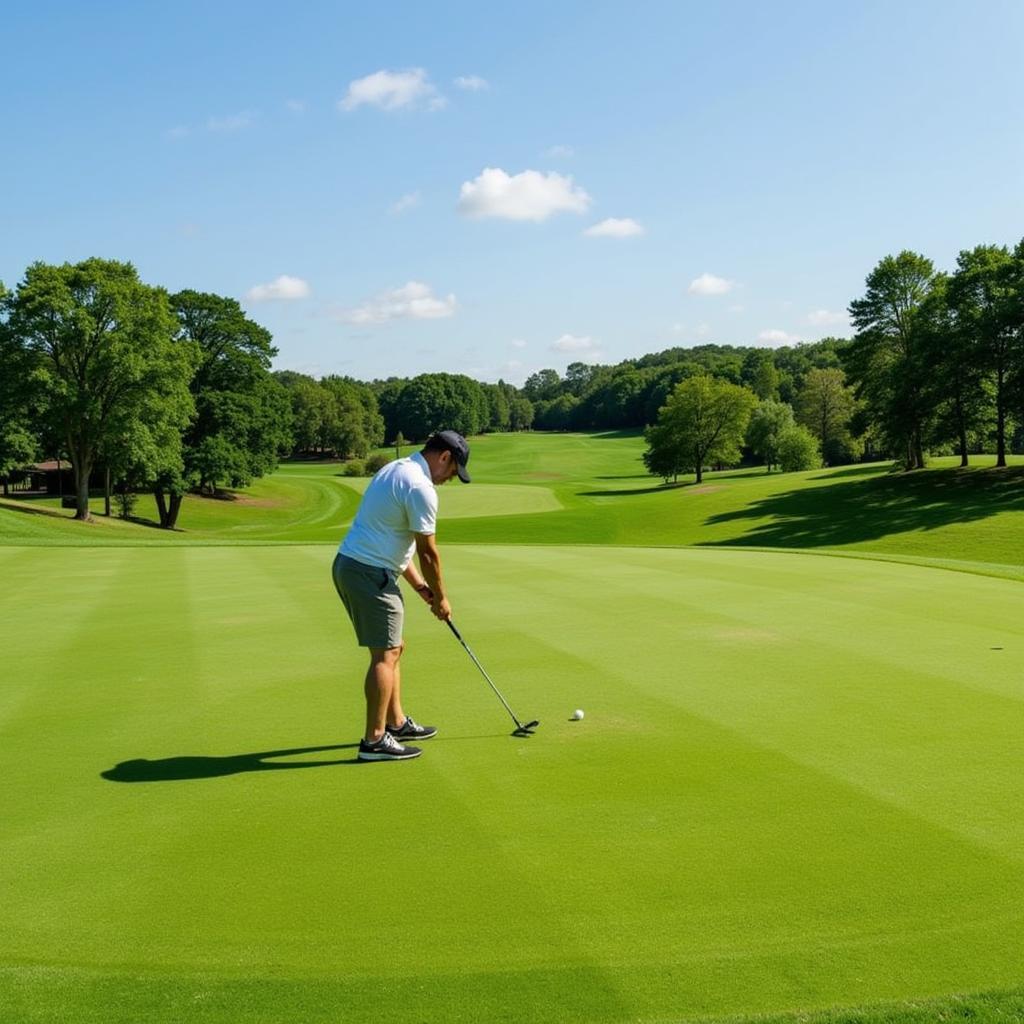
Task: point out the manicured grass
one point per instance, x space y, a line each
591 489
797 787
795 797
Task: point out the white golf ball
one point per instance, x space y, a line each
577 714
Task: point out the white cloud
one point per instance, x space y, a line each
615 227
777 337
576 345
526 196
231 123
738 308
413 301
407 201
560 152
826 318
472 83
283 287
708 284
296 106
518 343
393 90
177 133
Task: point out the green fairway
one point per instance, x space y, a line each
591 489
796 791
798 785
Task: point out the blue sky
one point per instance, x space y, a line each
401 188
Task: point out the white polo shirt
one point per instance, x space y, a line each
400 500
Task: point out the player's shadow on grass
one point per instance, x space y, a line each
176 769
852 510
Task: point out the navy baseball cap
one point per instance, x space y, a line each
450 441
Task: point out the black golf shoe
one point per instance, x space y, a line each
387 748
410 730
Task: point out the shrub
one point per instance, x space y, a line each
126 501
354 467
798 449
376 462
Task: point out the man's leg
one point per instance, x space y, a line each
396 716
382 690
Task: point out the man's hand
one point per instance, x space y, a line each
441 608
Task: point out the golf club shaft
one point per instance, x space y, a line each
458 636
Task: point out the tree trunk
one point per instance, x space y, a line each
1000 434
82 470
961 428
1000 415
161 505
106 494
168 511
175 508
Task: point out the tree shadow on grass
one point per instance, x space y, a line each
851 511
871 469
177 769
32 510
615 435
68 515
653 489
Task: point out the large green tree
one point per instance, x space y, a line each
982 292
760 374
520 411
18 396
888 358
439 401
959 385
767 423
102 343
499 412
798 449
703 423
243 415
825 405
310 409
543 385
352 423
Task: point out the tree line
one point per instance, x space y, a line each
172 393
936 366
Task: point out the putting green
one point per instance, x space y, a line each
798 785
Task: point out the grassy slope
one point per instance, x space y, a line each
809 824
591 490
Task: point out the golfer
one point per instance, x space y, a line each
396 517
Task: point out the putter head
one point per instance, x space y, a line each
526 729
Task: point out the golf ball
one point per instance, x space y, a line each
577 714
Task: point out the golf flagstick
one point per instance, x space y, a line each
520 729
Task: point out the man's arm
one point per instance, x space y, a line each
415 579
430 566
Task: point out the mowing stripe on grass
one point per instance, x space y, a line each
770 805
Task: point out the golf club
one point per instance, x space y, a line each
521 729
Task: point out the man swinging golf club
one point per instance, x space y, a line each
396 518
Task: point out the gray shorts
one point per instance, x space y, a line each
372 599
